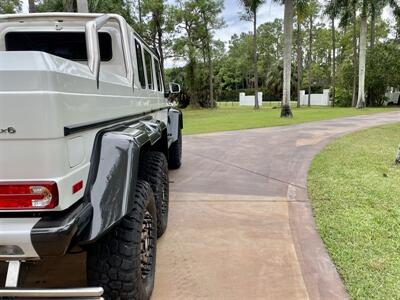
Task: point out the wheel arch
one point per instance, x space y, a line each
114 172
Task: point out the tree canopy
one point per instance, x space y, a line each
326 46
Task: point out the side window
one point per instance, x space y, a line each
158 74
149 69
139 59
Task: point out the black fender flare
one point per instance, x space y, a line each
113 173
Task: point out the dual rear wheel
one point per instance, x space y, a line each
123 261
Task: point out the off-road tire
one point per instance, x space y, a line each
115 261
175 152
154 169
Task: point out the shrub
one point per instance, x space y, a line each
343 97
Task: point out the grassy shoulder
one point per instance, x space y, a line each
355 191
232 117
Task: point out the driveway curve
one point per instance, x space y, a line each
241 225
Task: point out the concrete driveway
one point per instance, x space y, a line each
241 226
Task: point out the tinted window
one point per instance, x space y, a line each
149 69
158 74
139 59
69 45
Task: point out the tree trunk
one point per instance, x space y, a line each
309 60
370 96
140 11
68 5
287 58
299 63
194 100
363 55
82 6
256 106
210 79
333 62
32 6
192 66
354 101
373 25
156 19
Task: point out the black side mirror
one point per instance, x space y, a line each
174 88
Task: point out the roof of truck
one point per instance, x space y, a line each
53 14
71 15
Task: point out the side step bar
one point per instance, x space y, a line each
11 291
71 294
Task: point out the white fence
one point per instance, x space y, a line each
392 97
316 99
250 100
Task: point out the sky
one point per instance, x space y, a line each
232 9
233 24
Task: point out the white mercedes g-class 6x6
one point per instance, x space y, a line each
86 139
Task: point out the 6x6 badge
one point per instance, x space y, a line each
10 130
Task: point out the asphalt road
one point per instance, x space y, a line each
240 226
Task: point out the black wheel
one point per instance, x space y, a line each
175 153
123 261
154 169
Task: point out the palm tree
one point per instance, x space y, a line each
310 40
363 55
251 7
355 52
287 58
367 6
301 11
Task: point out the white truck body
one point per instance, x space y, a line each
86 139
41 94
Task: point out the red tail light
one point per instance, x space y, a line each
28 195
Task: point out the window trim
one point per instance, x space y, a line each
139 52
159 80
152 87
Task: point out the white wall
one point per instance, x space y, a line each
316 99
249 100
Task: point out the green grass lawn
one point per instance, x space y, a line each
355 191
232 117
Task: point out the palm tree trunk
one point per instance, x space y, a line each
363 55
354 101
299 63
32 6
373 25
256 106
82 6
370 96
333 62
309 60
210 74
287 58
